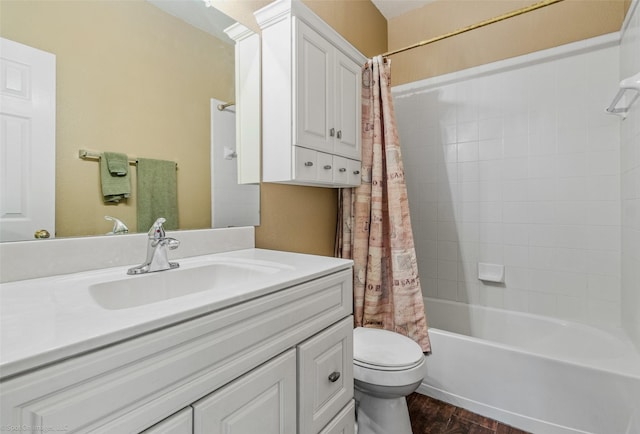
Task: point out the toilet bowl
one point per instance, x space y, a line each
387 367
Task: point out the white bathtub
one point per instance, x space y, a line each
538 374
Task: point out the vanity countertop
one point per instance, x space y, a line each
48 319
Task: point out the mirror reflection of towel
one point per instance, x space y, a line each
116 183
157 193
117 163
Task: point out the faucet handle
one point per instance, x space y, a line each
157 229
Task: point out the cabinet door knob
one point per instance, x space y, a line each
327 167
41 234
333 377
339 134
332 132
356 172
342 169
308 163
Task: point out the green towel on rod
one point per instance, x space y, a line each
114 187
157 193
117 163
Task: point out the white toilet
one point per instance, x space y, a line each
387 367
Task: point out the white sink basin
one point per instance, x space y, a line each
132 291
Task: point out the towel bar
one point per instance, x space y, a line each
630 83
93 155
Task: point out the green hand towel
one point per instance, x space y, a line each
114 188
157 194
118 163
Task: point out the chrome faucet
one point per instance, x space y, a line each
118 226
157 246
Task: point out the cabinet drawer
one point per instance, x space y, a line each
325 375
340 170
179 423
344 422
262 401
355 172
325 168
306 164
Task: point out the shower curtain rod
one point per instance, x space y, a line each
484 23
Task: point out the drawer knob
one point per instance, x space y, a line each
342 169
332 132
327 167
339 134
308 163
356 172
333 377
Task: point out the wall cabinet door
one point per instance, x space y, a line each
348 107
314 90
262 401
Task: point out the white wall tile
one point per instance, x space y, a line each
542 304
447 250
467 132
603 162
516 256
523 168
448 289
490 149
603 187
517 278
541 257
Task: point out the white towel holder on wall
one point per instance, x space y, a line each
629 83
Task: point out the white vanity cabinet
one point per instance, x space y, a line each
280 363
311 99
179 423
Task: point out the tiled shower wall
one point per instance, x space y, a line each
630 177
516 163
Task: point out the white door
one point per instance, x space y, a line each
27 141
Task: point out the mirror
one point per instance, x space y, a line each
133 78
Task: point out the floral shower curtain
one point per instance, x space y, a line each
374 227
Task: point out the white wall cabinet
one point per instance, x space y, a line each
277 364
311 99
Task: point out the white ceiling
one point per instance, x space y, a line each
393 8
196 13
212 21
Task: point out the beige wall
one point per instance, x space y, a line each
303 219
133 79
562 23
300 219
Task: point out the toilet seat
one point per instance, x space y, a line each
385 368
385 350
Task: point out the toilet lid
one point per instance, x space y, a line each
384 349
